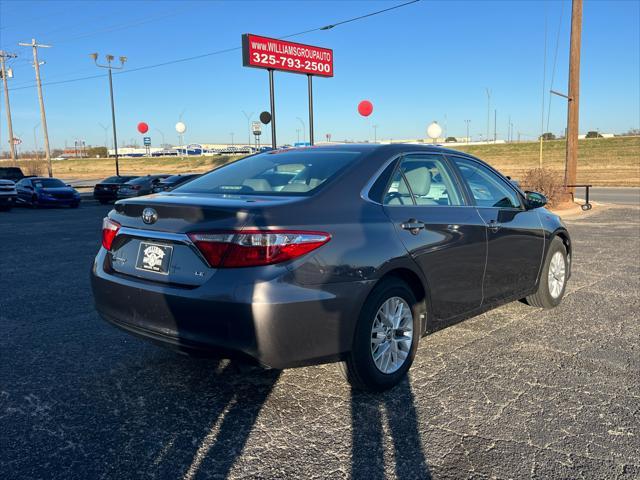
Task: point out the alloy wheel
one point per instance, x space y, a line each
557 274
391 335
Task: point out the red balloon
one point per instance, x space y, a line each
143 127
365 108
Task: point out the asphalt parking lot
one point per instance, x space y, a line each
514 393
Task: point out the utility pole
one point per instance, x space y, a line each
3 71
488 112
468 122
495 126
509 129
43 118
375 133
110 59
574 94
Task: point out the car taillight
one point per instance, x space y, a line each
109 232
250 248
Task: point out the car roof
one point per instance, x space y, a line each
371 147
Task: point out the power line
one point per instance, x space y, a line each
218 52
555 57
333 25
122 26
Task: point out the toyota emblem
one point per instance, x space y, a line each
149 216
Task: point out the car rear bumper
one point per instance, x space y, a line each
105 195
43 201
7 199
277 323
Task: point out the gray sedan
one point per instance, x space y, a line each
140 186
346 253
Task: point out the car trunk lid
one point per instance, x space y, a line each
161 251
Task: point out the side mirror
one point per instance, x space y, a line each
535 200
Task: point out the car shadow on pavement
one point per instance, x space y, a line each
178 417
369 412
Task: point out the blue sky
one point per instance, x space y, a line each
427 61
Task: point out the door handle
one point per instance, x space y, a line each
413 226
494 226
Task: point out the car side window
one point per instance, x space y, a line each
487 188
422 179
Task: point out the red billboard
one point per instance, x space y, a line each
271 53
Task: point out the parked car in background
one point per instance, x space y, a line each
107 190
8 195
44 191
344 253
11 173
173 181
140 186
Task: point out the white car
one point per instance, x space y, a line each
8 195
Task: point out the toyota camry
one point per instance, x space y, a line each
342 253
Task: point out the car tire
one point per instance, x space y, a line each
553 278
75 205
34 202
6 208
103 202
359 368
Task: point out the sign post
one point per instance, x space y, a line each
310 86
256 129
274 54
147 145
272 101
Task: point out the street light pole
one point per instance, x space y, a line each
161 134
304 127
468 122
110 67
35 139
488 112
248 116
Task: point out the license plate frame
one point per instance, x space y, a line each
150 253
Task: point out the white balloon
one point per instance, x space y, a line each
434 130
181 128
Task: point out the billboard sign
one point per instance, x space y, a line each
256 128
274 54
147 141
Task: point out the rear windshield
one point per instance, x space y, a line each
176 178
48 183
140 180
117 179
289 172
